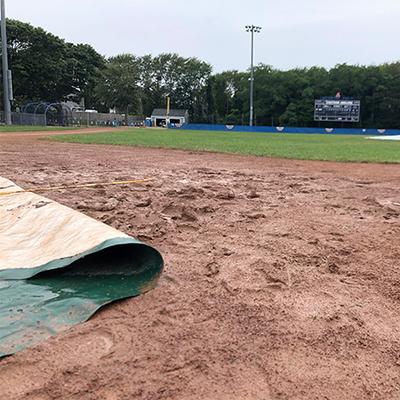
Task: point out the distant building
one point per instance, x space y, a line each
73 106
179 117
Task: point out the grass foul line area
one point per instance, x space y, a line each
30 128
293 146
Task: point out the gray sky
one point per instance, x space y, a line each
295 32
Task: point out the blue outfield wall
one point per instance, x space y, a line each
275 129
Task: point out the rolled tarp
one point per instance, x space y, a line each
58 267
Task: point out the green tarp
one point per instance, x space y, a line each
58 267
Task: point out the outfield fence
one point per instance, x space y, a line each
283 129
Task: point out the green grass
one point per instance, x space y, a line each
29 128
295 146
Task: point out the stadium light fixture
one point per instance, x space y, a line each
6 72
252 29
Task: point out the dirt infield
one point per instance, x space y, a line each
282 278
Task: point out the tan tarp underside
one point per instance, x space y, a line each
35 230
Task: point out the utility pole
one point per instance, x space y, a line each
252 29
6 72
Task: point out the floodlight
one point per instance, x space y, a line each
252 29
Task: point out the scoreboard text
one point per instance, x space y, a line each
337 110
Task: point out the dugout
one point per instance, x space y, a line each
175 116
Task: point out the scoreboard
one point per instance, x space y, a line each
337 110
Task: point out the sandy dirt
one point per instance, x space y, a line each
282 278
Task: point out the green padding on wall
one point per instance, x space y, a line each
60 296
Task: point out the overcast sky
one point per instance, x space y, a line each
295 32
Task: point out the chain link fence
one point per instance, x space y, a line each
25 119
80 118
75 118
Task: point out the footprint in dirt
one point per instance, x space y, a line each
86 348
78 350
255 277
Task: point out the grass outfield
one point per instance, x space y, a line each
29 128
295 146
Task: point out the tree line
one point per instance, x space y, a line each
47 68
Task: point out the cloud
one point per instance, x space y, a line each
295 33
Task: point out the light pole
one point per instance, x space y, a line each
168 109
252 29
6 72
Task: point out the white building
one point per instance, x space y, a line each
179 117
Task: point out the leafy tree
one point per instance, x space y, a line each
228 98
287 97
38 61
185 80
118 86
47 68
84 66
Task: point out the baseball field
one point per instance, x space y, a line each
281 278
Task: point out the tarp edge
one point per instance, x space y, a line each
26 273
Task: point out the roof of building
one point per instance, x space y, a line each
72 105
161 112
